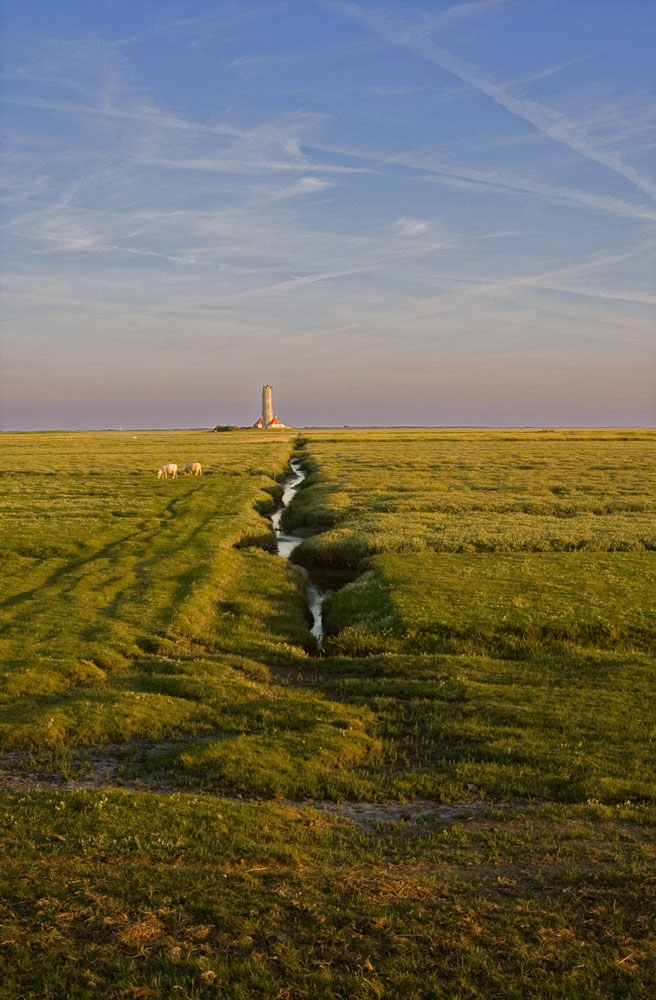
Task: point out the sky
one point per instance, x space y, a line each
393 212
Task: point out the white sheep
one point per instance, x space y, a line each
193 469
170 469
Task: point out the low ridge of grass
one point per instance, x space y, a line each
498 602
566 728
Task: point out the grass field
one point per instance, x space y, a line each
457 800
117 895
499 603
473 492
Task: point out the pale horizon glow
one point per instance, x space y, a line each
418 214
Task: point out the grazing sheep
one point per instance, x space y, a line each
193 469
168 470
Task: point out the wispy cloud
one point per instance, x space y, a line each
555 125
412 227
542 74
311 185
388 91
500 300
299 281
500 180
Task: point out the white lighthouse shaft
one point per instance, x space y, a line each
267 405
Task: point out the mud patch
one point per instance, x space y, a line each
114 766
121 765
417 813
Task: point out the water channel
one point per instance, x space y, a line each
289 540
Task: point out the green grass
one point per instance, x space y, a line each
494 657
103 562
457 728
139 896
414 491
508 602
158 610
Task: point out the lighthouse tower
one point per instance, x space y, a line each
267 405
268 421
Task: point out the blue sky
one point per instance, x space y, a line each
395 213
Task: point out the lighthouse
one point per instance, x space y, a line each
268 421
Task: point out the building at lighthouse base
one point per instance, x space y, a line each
272 425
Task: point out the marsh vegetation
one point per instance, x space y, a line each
172 736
